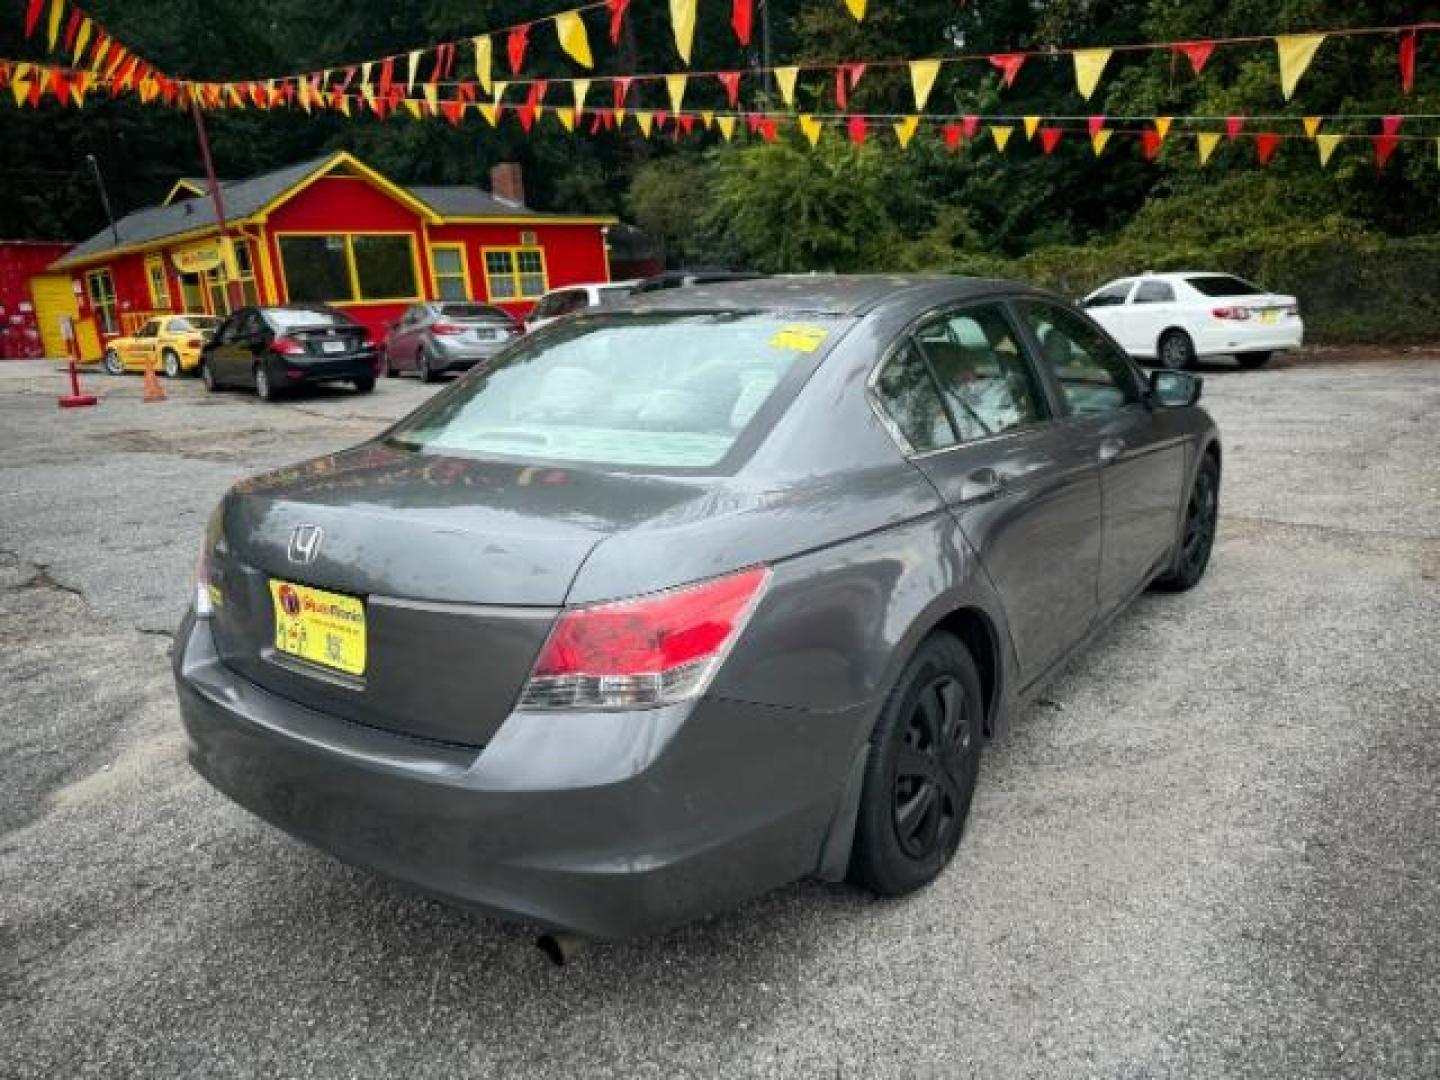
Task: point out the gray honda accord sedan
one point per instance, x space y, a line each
681 600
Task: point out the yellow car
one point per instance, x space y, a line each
170 342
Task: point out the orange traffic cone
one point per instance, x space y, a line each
153 390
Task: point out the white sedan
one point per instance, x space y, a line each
1172 319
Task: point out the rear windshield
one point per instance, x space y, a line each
1223 285
294 318
473 311
181 323
657 391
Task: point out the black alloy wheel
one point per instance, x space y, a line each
1197 539
921 773
1176 350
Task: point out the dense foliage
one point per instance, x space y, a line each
784 206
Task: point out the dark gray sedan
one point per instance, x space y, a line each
676 602
434 338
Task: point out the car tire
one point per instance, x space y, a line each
921 771
113 364
1252 360
207 376
1197 535
390 371
1175 351
264 389
170 363
364 386
422 365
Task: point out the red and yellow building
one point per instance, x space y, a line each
331 230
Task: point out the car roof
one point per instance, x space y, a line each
828 294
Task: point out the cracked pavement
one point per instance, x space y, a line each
1210 848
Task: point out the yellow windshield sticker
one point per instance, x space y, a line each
800 338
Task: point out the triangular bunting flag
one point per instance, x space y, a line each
1032 124
675 84
856 8
82 38
1099 139
490 111
682 22
1095 123
1150 144
969 125
742 19
1384 147
1312 125
1205 143
567 118
1197 52
1009 65
1295 51
905 130
1000 135
516 42
32 16
952 135
707 118
857 130
922 80
646 119
413 64
1390 125
726 124
1266 143
1233 126
785 79
1162 126
811 128
731 81
1407 61
1049 139
581 90
1089 64
570 29
1325 146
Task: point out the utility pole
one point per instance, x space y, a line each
233 294
104 196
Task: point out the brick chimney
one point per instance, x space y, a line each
508 182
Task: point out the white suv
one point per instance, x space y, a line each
1172 319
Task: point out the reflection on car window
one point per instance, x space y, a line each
1111 295
1093 375
986 381
1154 292
910 397
1223 285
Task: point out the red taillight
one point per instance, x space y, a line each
287 346
194 343
446 328
641 653
1231 313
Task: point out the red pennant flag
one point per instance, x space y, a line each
970 125
526 114
1384 147
1266 144
853 72
515 46
617 16
661 115
60 87
1150 143
857 130
36 89
1197 52
742 19
731 81
1233 125
752 121
467 90
842 97
437 69
387 76
952 135
449 52
685 122
1390 125
621 86
32 15
767 130
72 27
1049 139
596 123
1407 61
1009 65
1096 123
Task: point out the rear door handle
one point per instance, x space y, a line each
984 483
1110 449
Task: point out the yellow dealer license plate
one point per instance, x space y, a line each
322 627
1269 315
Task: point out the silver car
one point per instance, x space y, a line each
682 600
435 338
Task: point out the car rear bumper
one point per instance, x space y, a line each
605 824
463 357
1242 339
339 369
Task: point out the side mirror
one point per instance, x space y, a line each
1175 389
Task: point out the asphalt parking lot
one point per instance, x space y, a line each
1211 848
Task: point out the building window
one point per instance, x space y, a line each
349 267
245 267
159 284
451 281
192 296
515 273
102 300
215 281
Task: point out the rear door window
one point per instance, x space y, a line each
911 400
1094 376
1154 292
986 381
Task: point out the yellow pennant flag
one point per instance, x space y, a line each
410 77
484 61
500 88
20 83
905 130
52 27
619 115
922 80
785 78
1296 51
726 124
82 38
432 96
344 104
1001 133
1312 125
1089 64
1098 140
1325 146
490 111
811 128
856 8
1205 143
77 95
675 84
566 118
1162 126
366 90
303 93
707 118
581 89
412 106
570 29
1032 125
682 22
646 119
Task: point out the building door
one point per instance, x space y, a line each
54 299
